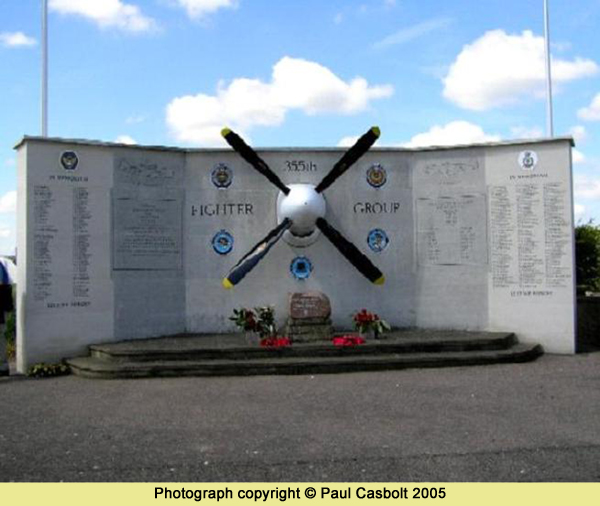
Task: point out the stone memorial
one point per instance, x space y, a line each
309 317
123 242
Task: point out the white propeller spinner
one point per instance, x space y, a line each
303 205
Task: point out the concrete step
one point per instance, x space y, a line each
281 362
233 346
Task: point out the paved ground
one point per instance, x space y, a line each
526 422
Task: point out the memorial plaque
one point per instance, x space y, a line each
44 236
530 236
147 233
451 231
63 254
144 172
309 306
450 170
309 317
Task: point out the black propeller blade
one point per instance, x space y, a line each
248 154
249 261
350 157
351 252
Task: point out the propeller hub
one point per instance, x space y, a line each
303 205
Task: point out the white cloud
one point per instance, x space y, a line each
5 232
8 202
135 119
10 162
586 187
499 69
315 89
453 133
16 39
200 8
125 139
346 142
520 132
107 13
413 32
338 18
578 156
591 112
350 140
296 84
578 133
561 46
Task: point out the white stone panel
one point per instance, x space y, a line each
531 280
64 291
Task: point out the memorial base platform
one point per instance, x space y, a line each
230 355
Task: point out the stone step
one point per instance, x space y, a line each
311 334
281 363
233 347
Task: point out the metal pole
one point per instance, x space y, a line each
549 118
44 68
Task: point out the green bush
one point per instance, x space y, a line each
9 334
43 370
587 257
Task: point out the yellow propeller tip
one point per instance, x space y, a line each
227 284
376 131
225 132
379 281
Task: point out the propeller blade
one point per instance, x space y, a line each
351 252
249 261
350 157
248 154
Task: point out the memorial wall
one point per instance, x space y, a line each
123 242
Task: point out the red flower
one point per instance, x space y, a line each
250 323
275 342
365 319
348 340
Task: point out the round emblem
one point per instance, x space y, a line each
222 242
528 160
377 240
69 160
221 176
301 267
376 175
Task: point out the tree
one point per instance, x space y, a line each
587 256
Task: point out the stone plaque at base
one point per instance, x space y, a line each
309 318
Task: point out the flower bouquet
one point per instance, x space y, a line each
245 319
261 321
367 323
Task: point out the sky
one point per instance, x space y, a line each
301 73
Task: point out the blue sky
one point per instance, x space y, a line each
300 73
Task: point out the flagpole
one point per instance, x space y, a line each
44 68
549 118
